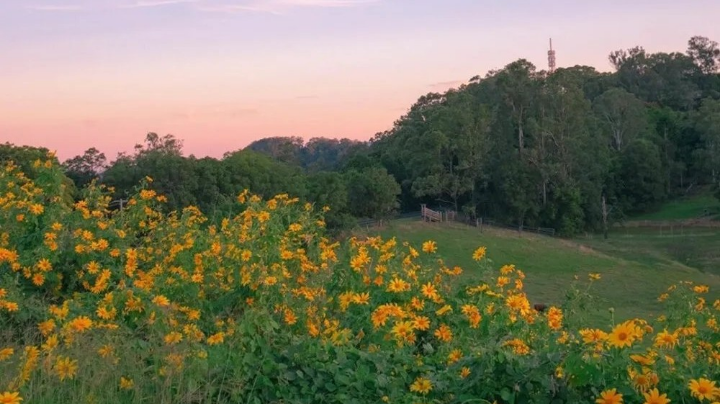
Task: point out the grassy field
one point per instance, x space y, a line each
698 248
684 208
635 269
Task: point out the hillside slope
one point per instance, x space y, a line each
630 286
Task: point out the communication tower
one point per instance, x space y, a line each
551 58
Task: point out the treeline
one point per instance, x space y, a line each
519 145
530 147
320 172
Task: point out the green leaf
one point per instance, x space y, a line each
505 394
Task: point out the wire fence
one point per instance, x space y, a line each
371 223
455 217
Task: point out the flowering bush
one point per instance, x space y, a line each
134 306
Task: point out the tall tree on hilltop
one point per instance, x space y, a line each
284 149
86 167
560 154
621 117
518 87
449 155
167 144
705 53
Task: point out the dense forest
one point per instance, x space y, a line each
520 145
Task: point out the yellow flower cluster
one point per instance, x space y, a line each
182 287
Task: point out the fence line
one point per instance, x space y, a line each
671 223
480 222
449 215
430 215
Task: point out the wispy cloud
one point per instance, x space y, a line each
156 3
49 7
324 3
233 8
227 6
277 6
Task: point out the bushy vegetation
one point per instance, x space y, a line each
135 305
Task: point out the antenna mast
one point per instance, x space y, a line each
551 58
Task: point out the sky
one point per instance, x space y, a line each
220 74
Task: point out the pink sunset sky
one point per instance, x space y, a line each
222 73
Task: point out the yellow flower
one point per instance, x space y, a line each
702 389
518 346
44 265
429 291
65 367
10 398
398 285
443 310
665 339
609 397
591 336
421 385
654 397
38 279
173 337
701 289
643 381
161 301
6 353
81 324
126 384
502 281
623 335
290 317
479 254
429 247
421 323
555 318
444 333
46 327
361 298
518 303
465 372
596 277
403 331
51 343
216 338
146 194
36 209
454 356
